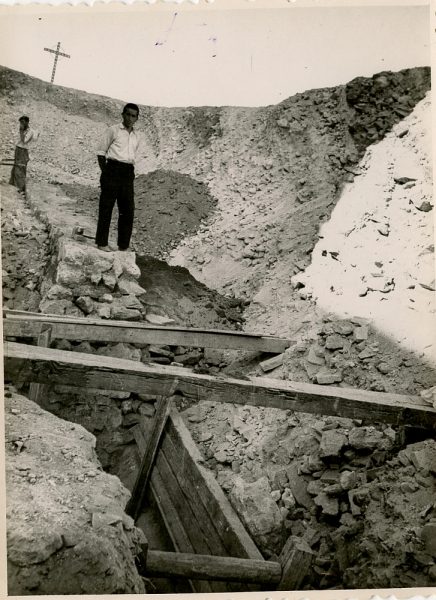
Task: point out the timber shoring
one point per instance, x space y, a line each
45 365
218 568
29 325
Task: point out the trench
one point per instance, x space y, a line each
171 207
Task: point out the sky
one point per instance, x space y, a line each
177 55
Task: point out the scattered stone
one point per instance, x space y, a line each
85 304
332 443
328 504
403 180
425 206
334 342
328 377
360 333
258 511
315 356
158 319
276 495
366 438
383 368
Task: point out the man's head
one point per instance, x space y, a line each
130 114
24 122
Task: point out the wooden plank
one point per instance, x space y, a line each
233 534
22 324
191 525
189 484
225 568
45 365
193 532
134 505
37 390
168 513
271 363
295 559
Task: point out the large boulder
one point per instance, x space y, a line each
259 512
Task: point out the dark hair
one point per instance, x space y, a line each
24 118
132 106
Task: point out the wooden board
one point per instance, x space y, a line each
174 513
37 390
173 525
179 446
133 507
186 491
295 559
44 365
28 325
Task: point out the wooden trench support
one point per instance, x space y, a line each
213 549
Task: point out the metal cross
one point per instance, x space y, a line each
57 53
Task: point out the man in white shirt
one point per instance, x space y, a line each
21 158
116 156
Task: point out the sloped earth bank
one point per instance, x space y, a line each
274 174
67 530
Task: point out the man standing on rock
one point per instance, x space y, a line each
116 157
21 158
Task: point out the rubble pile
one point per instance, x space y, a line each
350 352
90 282
341 486
25 253
67 530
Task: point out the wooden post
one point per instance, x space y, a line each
134 505
295 559
36 390
213 568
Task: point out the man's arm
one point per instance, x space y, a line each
104 146
101 161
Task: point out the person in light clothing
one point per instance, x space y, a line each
21 158
116 157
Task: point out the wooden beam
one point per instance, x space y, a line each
134 505
45 365
174 526
169 514
28 325
207 567
187 458
36 390
295 559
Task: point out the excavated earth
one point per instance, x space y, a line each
227 235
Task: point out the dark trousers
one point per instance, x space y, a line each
116 186
18 173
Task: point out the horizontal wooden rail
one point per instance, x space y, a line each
29 325
207 567
45 365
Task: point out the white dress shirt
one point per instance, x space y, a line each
118 144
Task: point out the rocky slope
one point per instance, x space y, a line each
67 530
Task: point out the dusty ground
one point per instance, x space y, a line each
241 194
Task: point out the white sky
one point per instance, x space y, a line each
177 55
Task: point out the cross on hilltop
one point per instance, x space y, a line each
57 53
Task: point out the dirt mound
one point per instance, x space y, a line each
169 206
173 292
